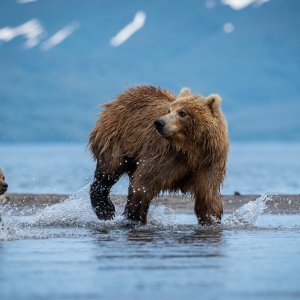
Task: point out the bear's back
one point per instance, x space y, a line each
126 125
135 98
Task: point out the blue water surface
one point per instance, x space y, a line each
64 168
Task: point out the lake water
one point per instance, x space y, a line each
63 168
65 252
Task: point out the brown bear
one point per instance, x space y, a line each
3 184
163 143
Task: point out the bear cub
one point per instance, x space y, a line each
3 184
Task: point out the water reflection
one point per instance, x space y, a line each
166 261
205 236
142 236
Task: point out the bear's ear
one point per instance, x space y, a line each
184 92
214 102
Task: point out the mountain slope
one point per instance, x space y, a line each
53 95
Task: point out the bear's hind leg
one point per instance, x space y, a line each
206 213
208 204
99 193
208 208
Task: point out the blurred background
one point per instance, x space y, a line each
60 59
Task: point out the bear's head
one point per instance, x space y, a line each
3 184
192 118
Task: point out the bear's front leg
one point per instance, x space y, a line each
99 194
137 207
138 203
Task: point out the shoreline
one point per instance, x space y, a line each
279 204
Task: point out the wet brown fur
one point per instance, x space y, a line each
192 159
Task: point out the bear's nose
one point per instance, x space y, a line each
159 124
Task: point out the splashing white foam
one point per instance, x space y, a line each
69 218
75 215
77 212
125 33
7 228
248 213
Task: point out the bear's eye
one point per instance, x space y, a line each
181 114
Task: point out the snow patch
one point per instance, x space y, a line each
59 36
210 3
228 27
125 33
25 1
31 30
240 4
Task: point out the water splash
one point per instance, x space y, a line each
247 214
7 228
75 211
75 216
69 218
